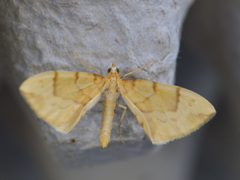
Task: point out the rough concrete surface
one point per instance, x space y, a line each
39 36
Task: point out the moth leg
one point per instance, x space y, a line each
121 120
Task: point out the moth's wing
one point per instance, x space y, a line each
166 112
61 98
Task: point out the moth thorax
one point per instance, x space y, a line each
113 78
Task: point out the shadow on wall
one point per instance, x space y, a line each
18 149
210 53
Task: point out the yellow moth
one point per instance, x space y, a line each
166 112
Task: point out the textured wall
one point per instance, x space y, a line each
39 36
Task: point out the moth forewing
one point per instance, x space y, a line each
61 98
166 112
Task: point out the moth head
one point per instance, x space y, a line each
113 68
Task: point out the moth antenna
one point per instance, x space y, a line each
87 63
136 70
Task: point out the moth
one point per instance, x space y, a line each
166 112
